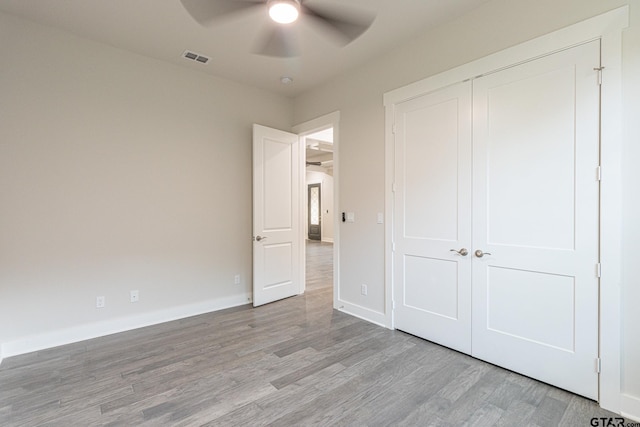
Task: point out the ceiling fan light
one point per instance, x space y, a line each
284 11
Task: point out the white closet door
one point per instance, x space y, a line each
432 215
535 187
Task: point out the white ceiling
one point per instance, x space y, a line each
162 29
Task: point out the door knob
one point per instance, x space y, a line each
463 251
258 238
480 254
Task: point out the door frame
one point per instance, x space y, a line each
607 28
331 120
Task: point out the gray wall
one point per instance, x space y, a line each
118 172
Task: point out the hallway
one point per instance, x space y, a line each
319 265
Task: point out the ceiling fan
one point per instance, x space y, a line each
345 24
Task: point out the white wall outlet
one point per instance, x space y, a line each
134 296
100 301
380 218
364 290
236 279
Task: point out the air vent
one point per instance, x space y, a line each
187 54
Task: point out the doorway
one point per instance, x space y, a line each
280 267
320 213
309 132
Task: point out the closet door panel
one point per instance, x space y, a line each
432 208
535 198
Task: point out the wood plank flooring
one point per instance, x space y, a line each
295 362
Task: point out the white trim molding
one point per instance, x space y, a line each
93 330
630 407
611 210
607 28
363 313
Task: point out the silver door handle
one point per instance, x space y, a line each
258 238
480 254
463 251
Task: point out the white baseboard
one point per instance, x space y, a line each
328 239
362 313
630 407
94 330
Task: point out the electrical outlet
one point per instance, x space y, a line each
134 296
236 279
100 301
363 290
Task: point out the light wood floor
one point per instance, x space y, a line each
296 362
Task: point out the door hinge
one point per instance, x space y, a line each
393 246
393 304
599 70
598 365
393 187
598 270
599 173
393 128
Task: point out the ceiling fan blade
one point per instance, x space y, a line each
346 24
205 12
279 42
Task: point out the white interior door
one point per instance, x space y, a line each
536 154
276 215
432 211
